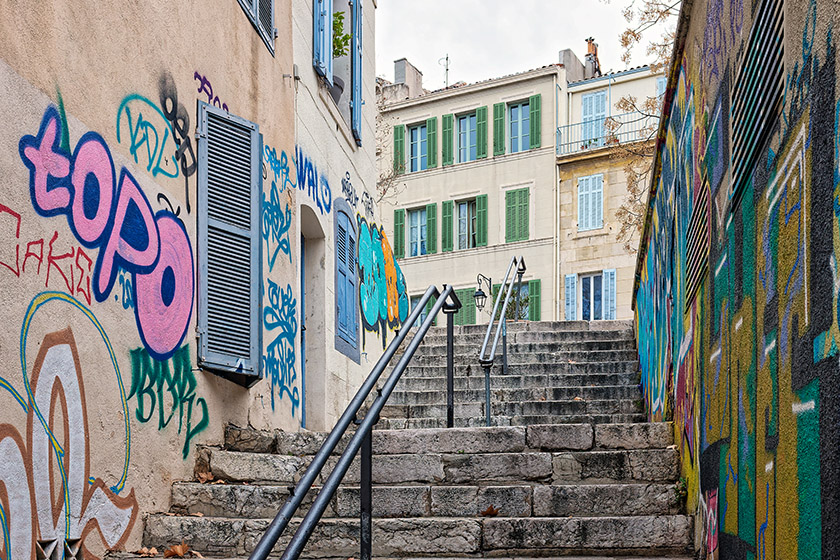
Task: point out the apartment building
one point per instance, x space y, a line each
187 228
525 164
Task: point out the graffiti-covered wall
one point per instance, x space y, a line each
737 280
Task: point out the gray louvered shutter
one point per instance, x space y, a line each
608 284
229 186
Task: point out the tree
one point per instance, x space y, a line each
643 17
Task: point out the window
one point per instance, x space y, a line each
590 202
466 224
415 301
346 306
661 84
594 112
529 301
229 190
467 138
516 215
520 127
596 295
417 151
417 232
261 14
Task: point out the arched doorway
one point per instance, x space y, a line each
313 337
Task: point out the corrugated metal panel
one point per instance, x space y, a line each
228 249
697 243
757 90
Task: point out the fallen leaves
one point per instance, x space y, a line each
490 511
147 552
204 477
177 551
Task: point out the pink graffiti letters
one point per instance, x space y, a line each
120 223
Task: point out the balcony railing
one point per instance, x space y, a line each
608 131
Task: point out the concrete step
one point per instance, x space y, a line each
436 367
511 409
586 500
640 465
400 537
511 381
556 357
438 336
539 326
437 396
578 437
478 421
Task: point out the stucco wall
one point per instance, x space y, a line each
748 369
81 398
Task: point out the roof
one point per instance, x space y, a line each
610 75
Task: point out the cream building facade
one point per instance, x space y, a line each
181 196
473 175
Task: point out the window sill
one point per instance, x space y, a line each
599 232
335 113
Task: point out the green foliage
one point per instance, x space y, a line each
341 40
681 492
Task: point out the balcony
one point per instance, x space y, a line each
605 132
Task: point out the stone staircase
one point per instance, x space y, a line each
551 479
558 372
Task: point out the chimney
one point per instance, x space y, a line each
592 68
572 64
406 73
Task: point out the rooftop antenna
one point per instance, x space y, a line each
445 63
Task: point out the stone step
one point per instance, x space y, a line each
511 381
478 421
438 336
438 348
438 396
510 409
586 500
540 326
435 536
526 358
577 437
437 368
640 465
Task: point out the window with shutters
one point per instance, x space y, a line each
417 148
591 202
520 127
417 232
261 14
517 215
467 138
346 283
415 301
465 315
229 187
595 293
593 115
570 297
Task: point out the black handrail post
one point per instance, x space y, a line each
366 498
487 392
450 370
504 346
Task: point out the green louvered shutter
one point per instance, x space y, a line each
468 299
498 129
431 229
399 149
511 199
429 305
535 105
481 220
534 300
523 215
447 155
481 132
431 142
399 233
446 228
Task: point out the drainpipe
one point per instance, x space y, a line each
556 245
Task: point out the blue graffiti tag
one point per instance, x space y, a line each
279 360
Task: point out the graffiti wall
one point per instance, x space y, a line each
743 354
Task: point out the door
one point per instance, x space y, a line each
591 297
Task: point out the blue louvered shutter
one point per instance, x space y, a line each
345 262
229 187
356 96
609 293
596 198
322 38
583 203
571 297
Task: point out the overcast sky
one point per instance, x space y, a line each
491 38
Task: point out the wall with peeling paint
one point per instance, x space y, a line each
747 366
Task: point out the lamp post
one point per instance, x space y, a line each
520 271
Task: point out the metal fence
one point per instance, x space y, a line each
603 132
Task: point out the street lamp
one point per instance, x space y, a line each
479 295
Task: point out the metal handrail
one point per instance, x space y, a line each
486 361
363 432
